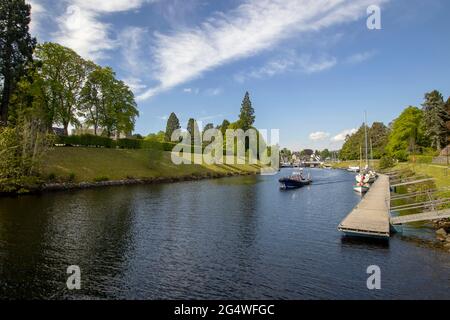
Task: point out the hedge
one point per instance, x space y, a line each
88 140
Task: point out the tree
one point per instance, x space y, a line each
172 124
379 136
448 121
208 127
325 154
194 131
224 126
24 142
435 119
351 150
108 103
247 116
123 111
94 96
407 134
64 72
16 48
156 137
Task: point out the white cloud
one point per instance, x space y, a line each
191 90
37 13
135 84
214 91
81 28
290 62
211 117
254 26
360 57
340 137
130 40
109 6
319 135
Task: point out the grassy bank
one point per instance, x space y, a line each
101 164
440 173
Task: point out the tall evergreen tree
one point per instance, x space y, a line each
448 121
16 48
435 119
194 131
172 124
247 116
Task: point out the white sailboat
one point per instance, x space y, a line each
363 178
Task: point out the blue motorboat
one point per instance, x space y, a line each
296 180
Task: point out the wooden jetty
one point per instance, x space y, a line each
371 216
419 217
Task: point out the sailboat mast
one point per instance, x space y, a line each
360 158
366 137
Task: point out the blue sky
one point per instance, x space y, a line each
311 67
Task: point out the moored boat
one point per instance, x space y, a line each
361 188
296 180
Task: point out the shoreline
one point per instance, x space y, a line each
71 186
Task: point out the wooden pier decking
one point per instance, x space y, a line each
419 217
371 216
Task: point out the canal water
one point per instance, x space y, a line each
233 238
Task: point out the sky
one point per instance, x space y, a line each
312 67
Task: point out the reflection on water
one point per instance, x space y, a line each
230 238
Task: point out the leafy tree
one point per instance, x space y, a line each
26 140
435 119
194 131
325 154
224 126
121 114
351 150
379 136
208 127
108 103
16 48
172 124
407 134
247 116
64 72
156 137
94 96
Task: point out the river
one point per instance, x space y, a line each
232 238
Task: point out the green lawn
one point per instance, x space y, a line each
94 164
439 172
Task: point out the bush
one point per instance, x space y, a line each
129 144
86 140
386 162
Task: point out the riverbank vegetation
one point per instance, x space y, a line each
47 88
76 165
417 133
